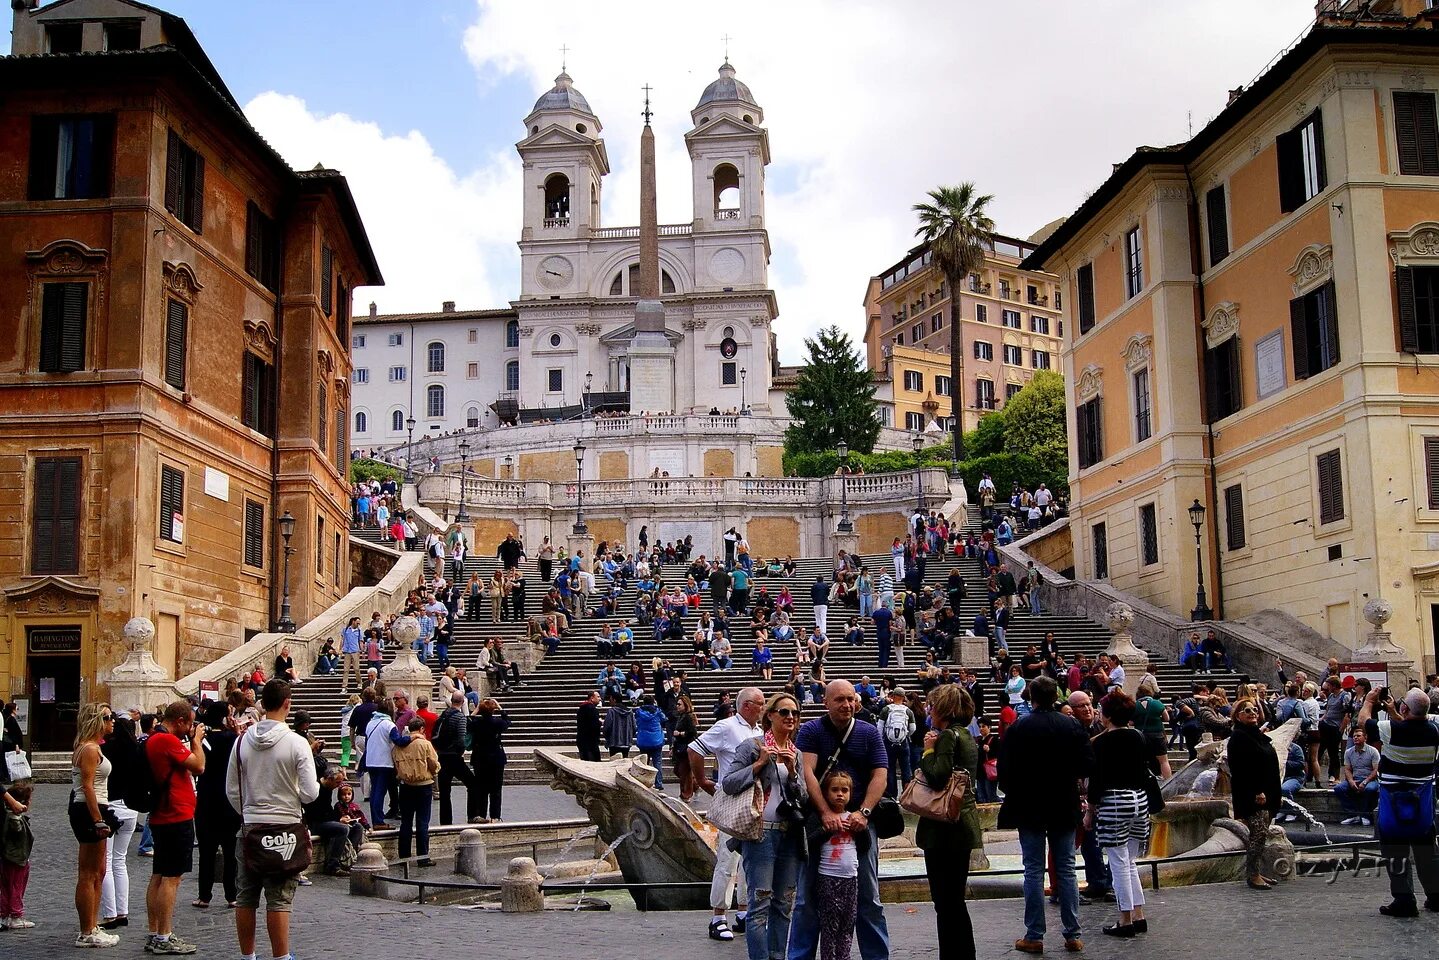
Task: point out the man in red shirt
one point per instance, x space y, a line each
427 715
176 756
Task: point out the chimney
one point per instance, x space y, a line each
1234 95
374 311
447 307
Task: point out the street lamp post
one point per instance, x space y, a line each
463 516
409 444
918 442
509 467
287 530
580 529
1201 609
585 402
743 374
845 524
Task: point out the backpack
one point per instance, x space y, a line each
142 792
896 725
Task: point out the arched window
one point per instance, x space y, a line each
726 181
435 357
434 401
512 334
557 200
667 284
512 375
472 417
397 420
362 422
628 282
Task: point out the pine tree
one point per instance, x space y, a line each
833 398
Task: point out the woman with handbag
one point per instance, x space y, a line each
1253 785
765 772
948 748
1118 810
91 819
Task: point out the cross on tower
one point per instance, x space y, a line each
726 38
564 59
647 112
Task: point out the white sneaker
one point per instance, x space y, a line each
96 938
19 923
1349 822
1366 822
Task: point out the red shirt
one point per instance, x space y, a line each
167 754
430 720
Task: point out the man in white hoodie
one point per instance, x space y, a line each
270 777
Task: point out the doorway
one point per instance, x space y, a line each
53 668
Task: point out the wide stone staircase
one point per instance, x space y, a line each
544 708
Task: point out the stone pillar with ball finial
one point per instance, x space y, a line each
1135 661
1379 646
406 670
138 682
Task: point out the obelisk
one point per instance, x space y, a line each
652 358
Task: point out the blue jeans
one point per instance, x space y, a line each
1290 788
1362 801
900 770
1034 601
771 865
1032 846
1096 871
147 842
380 780
870 928
866 604
653 755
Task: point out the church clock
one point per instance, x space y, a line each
555 272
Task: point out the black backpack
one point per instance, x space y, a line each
141 792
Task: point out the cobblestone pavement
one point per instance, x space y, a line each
1303 918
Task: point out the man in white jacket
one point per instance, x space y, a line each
270 778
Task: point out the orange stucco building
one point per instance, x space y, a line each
175 361
1254 324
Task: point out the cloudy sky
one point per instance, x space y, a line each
869 103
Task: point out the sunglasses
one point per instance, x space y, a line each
106 716
787 712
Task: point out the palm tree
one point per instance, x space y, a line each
958 232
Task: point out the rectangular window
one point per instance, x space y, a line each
435 358
942 385
177 319
1010 318
64 37
335 566
1431 470
322 406
257 401
1300 155
1142 426
1217 215
254 534
122 36
1004 289
899 339
55 516
1013 355
342 309
262 248
474 335
1058 301
62 327
1234 517
981 313
1315 328
1100 536
362 375
185 183
1418 309
472 371
1331 487
936 323
1011 389
1038 324
357 342
172 504
1039 359
1133 264
342 446
397 374
71 157
395 340
913 380
320 545
914 421
557 381
1090 427
1148 535
1417 133
916 333
984 394
1084 282
1223 387
327 280
728 376
1031 293
983 350
434 401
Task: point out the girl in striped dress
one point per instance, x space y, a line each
1118 810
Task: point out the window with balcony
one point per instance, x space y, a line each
1300 155
913 380
71 156
1004 289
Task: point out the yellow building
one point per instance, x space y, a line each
1291 384
1011 327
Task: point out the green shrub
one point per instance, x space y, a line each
373 470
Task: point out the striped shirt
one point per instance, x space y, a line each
1408 749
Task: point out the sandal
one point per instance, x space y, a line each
202 904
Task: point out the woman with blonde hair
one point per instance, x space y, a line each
91 819
948 747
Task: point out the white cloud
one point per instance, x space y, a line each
438 234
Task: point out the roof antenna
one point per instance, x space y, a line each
647 112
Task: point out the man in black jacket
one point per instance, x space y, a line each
449 743
587 728
1042 758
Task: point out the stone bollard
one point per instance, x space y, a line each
472 857
520 890
365 872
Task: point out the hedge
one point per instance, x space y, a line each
373 470
1004 469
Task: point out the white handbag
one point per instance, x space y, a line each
17 765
